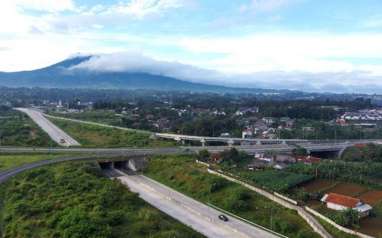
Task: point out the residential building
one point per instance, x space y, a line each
341 202
247 133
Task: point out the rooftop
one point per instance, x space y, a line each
340 199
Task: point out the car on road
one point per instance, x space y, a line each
223 218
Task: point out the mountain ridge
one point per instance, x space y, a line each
64 75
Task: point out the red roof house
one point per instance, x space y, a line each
341 202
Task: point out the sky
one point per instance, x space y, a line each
311 45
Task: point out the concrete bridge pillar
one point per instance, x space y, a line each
203 141
230 143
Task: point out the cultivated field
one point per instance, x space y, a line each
371 225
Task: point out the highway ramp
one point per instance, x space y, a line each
55 133
197 215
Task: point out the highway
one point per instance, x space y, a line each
57 135
147 151
200 217
257 145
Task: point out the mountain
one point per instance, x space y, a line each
63 75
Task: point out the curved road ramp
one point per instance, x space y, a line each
55 133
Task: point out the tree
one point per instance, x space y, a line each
203 155
352 154
300 151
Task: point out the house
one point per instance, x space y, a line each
247 133
225 134
247 110
260 126
257 165
341 202
280 166
308 159
287 122
268 120
283 158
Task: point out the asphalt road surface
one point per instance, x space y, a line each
52 130
200 217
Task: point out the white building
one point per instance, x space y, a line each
341 202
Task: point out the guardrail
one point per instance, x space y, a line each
246 221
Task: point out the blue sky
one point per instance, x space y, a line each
315 45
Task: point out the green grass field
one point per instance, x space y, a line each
97 136
100 116
74 200
184 175
17 129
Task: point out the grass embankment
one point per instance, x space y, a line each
74 200
274 180
99 116
17 129
9 161
184 175
98 136
334 231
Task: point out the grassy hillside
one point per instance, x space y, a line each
75 200
184 175
97 136
16 129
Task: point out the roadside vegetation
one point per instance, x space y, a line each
98 136
100 116
17 129
75 200
184 175
357 172
334 231
270 179
9 161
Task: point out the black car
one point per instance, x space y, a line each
223 218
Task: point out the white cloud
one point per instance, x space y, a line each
264 5
137 62
288 51
307 81
143 8
45 5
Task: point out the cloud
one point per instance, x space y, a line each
137 62
45 5
290 51
139 8
315 82
265 5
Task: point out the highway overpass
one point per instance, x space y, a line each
338 147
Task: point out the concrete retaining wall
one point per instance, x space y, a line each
341 228
203 163
285 198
